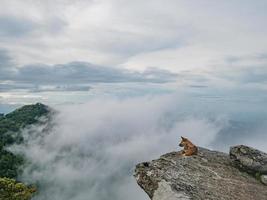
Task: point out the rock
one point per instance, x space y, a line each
264 179
206 176
249 159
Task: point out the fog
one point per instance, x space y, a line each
89 150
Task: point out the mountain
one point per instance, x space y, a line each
210 175
10 126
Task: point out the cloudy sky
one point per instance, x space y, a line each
68 51
66 43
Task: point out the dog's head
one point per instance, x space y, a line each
183 142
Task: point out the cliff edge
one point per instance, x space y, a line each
210 175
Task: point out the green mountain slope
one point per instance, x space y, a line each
10 125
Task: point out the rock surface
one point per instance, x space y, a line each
249 159
264 179
210 175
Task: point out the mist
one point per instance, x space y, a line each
89 150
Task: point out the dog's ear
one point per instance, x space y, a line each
183 138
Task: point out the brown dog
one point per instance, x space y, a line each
189 148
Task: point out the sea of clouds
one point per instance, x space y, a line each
89 150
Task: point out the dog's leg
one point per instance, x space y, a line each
189 152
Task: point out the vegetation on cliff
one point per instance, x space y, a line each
10 164
12 190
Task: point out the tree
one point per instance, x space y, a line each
12 190
10 126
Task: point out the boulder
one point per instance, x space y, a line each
264 179
209 175
249 159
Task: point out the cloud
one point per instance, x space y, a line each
9 87
178 36
60 88
91 149
82 72
89 29
73 76
6 63
138 34
247 70
15 27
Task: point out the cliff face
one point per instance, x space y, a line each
210 175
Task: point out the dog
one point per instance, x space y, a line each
189 148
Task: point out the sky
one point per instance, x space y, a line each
127 79
58 45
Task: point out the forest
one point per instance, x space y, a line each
11 165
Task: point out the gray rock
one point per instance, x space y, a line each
206 176
249 159
264 179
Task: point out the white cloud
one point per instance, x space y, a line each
74 76
176 35
204 39
91 150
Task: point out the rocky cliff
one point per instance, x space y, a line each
210 175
